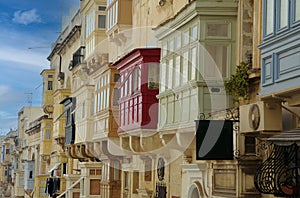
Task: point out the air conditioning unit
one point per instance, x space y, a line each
261 116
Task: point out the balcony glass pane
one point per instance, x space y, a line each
193 62
163 77
170 74
171 45
185 67
269 26
178 41
101 21
107 99
218 54
194 32
284 9
297 10
164 49
186 37
177 71
153 75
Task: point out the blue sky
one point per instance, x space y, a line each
27 24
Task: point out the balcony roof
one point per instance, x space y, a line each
286 138
135 54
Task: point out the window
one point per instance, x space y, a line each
126 180
186 37
50 76
135 182
135 80
116 171
153 75
177 71
297 11
90 23
148 170
68 117
64 168
164 49
194 32
109 2
279 15
218 54
50 85
125 89
170 74
30 174
101 8
48 134
269 15
104 99
178 41
101 21
116 77
193 62
185 66
104 172
171 45
163 77
284 11
102 93
112 14
116 97
249 145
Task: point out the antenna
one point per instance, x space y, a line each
29 98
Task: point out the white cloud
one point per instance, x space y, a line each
7 115
4 90
27 58
8 96
26 17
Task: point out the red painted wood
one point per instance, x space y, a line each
139 109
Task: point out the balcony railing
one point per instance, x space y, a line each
78 57
279 174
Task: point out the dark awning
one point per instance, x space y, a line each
286 138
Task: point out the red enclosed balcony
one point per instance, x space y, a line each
139 71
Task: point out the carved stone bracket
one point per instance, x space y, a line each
46 157
60 141
261 146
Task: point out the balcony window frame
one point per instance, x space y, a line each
90 23
98 21
190 65
102 93
291 17
112 11
293 10
278 16
265 22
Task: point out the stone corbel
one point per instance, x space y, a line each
134 144
71 151
150 143
46 158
